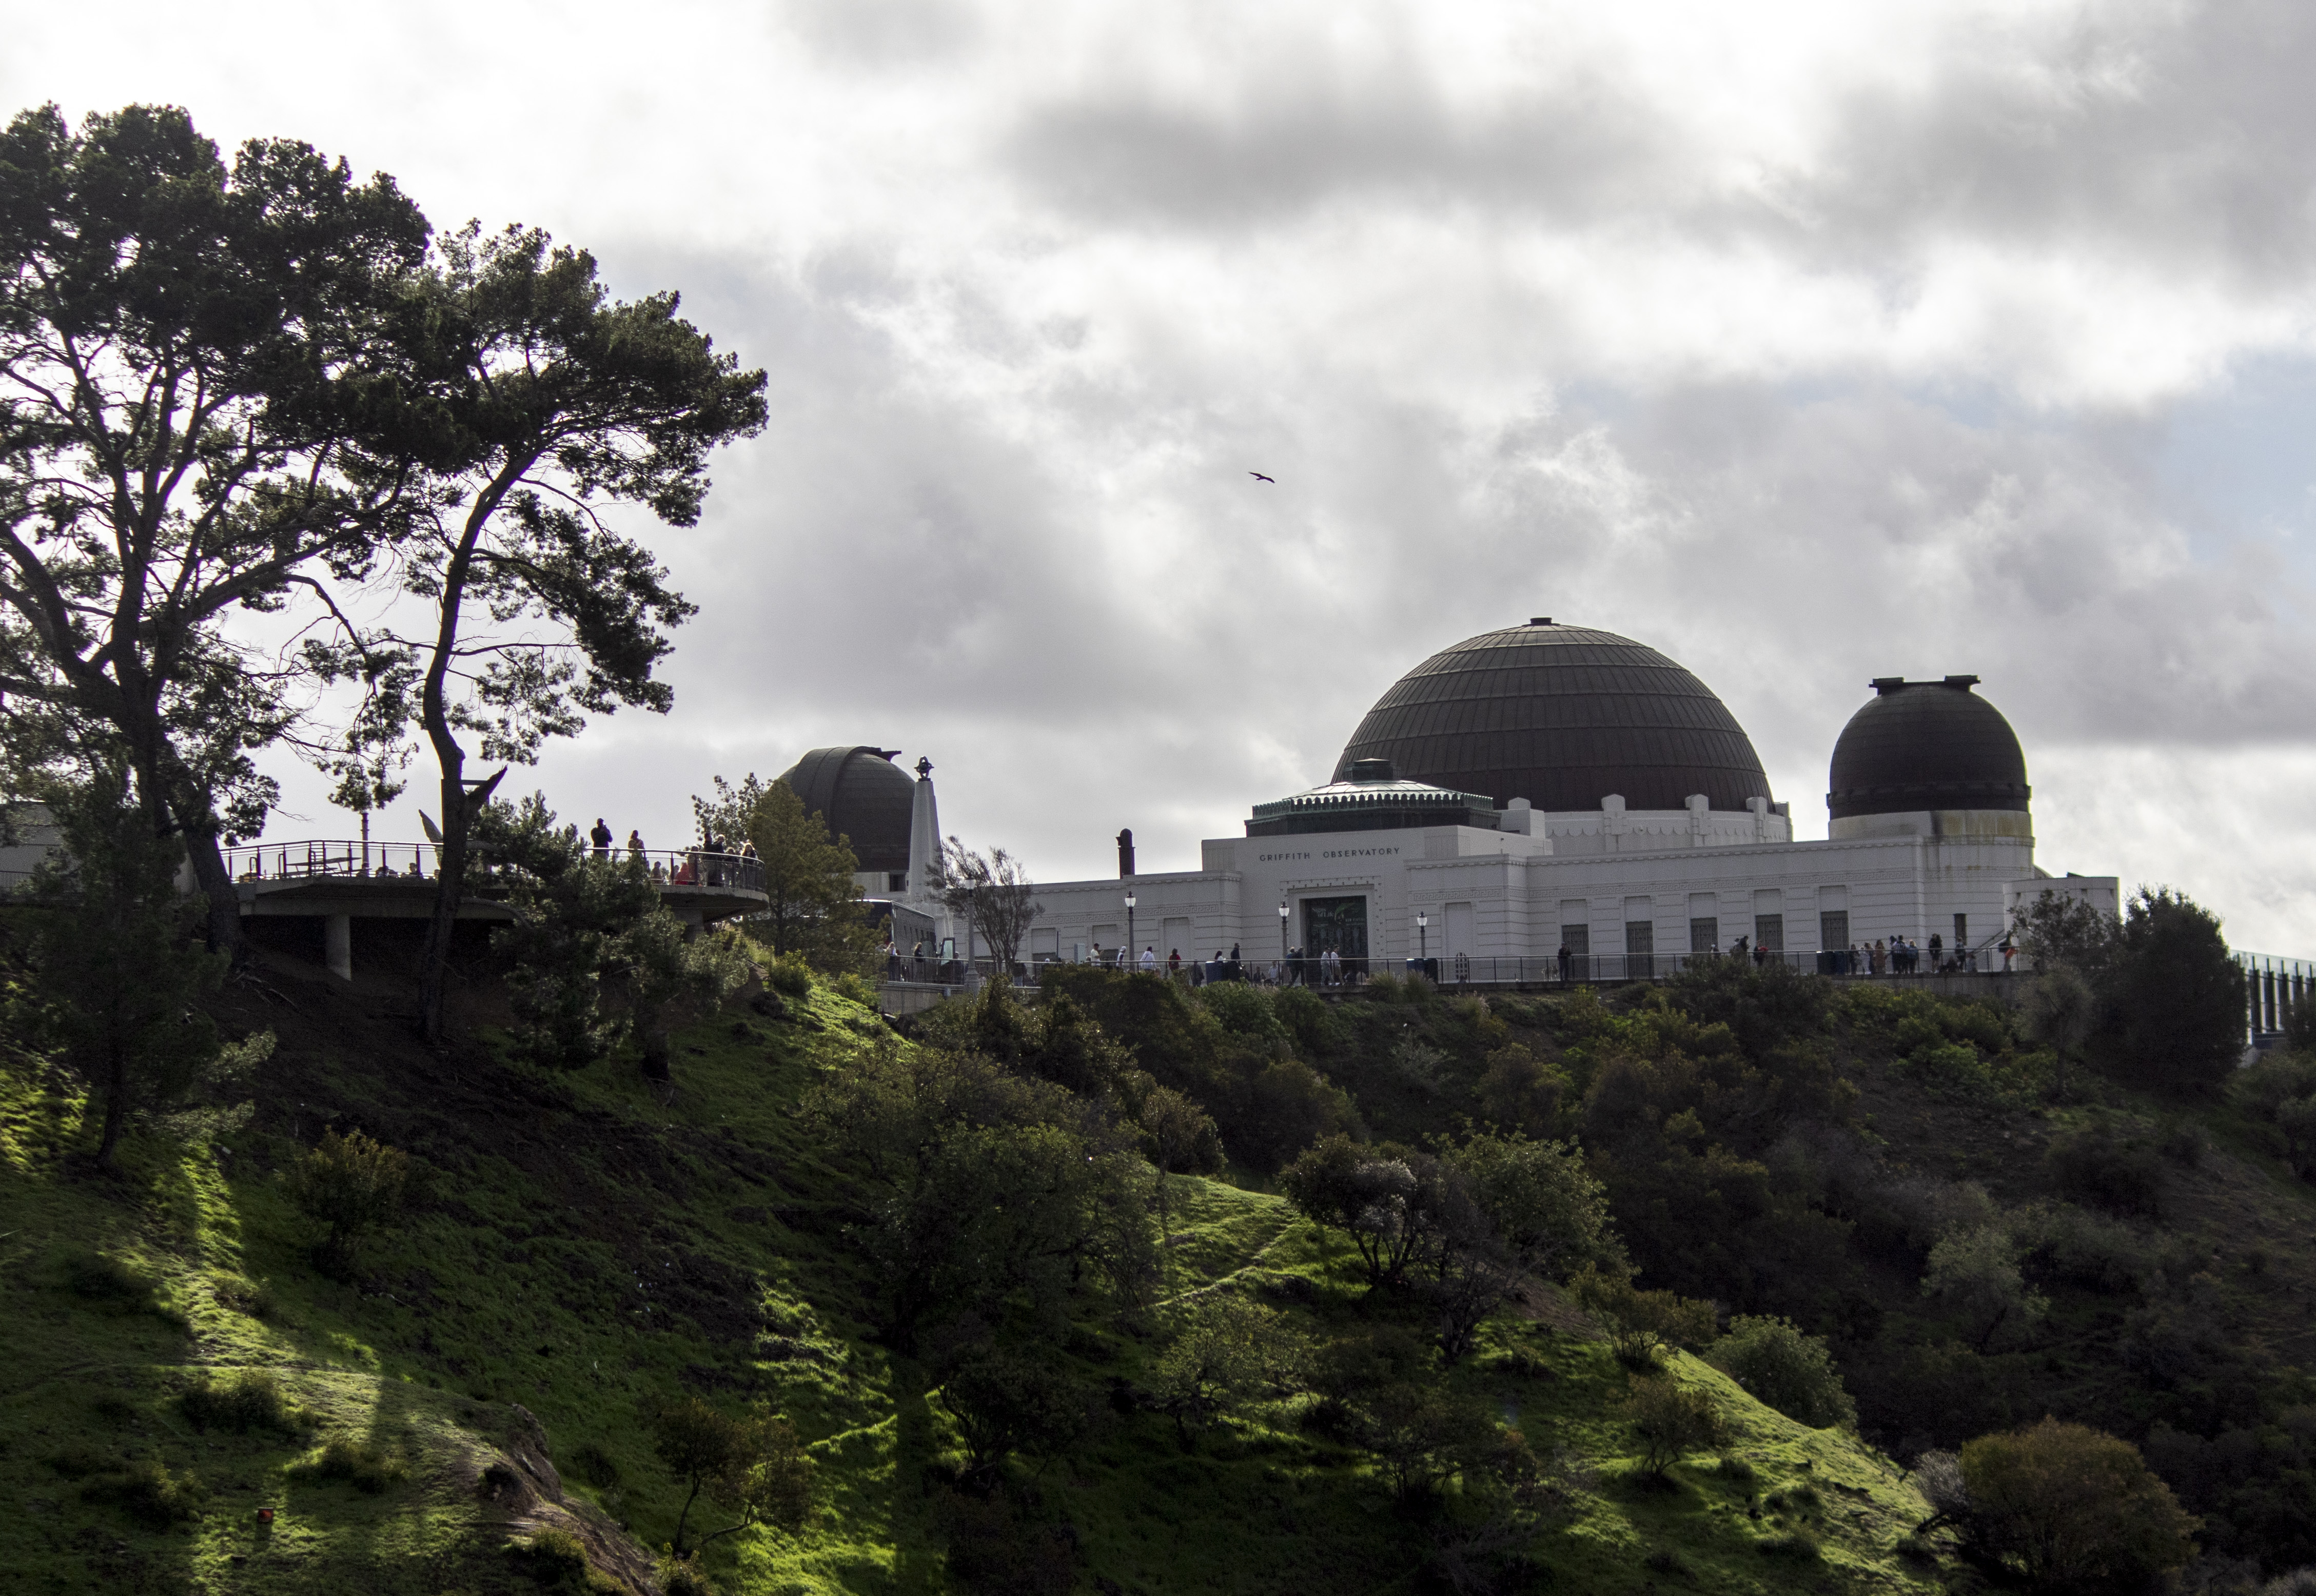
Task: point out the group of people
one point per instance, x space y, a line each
704 866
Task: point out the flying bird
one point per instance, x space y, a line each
1258 476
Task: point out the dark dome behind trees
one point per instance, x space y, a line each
1561 716
862 797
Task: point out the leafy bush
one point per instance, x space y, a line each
1792 1372
755 1464
2110 1166
2173 997
1245 1012
1225 1351
353 1185
1641 1322
1976 1274
253 1401
2071 1507
557 1559
1670 1420
1006 1401
789 976
361 1464
595 1465
1799 1545
2070 1244
682 1576
151 1494
2281 1089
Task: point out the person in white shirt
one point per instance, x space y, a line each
1150 961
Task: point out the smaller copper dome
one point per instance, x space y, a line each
1926 745
862 797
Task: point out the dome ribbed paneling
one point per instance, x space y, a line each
861 795
1926 745
1562 717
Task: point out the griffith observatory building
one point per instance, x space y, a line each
1541 788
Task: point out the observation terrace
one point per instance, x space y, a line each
339 881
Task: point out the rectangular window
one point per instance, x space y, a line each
1769 932
1045 942
1833 929
1577 940
896 880
1705 936
1640 949
1962 932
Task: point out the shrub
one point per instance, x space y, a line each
1004 1401
1670 1420
2174 997
2104 1163
2084 1249
351 1185
1792 1372
1640 1322
151 1494
253 1401
2070 1506
557 1559
595 1465
789 976
1976 1274
682 1576
755 1464
1798 1544
365 1466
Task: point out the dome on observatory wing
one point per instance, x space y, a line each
1561 715
861 795
1926 745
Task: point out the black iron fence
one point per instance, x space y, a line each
1323 974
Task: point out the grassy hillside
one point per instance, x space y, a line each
586 1246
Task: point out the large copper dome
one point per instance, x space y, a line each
1561 716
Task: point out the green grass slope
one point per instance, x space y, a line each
584 1246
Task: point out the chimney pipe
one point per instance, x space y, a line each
1126 855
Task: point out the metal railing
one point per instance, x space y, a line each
338 859
1349 973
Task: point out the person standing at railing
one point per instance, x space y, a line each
1174 961
1150 960
602 837
635 845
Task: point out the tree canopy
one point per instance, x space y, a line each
201 403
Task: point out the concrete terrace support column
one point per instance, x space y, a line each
338 945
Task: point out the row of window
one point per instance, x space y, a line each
1705 935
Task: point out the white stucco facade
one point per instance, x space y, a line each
1511 895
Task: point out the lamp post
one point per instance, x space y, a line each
1423 936
1130 963
1282 929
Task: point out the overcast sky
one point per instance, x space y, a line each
1806 343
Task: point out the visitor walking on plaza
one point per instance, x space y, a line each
602 837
